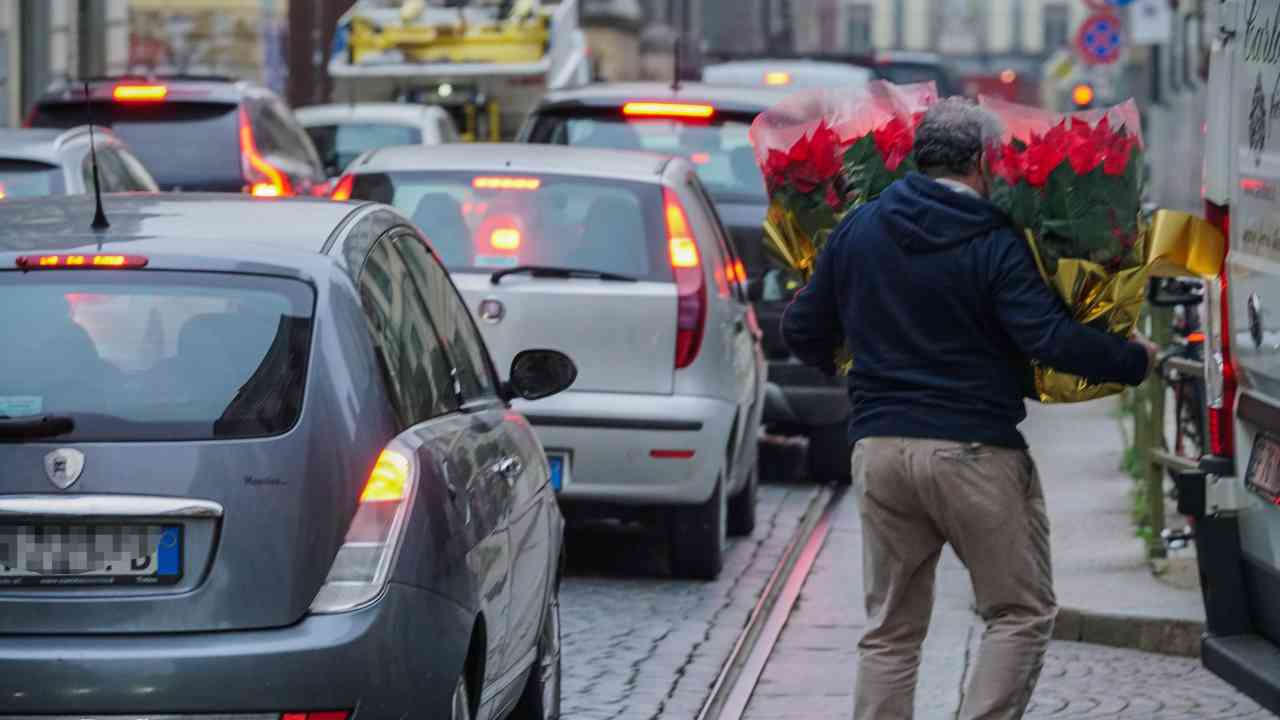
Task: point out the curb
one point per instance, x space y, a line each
1167 636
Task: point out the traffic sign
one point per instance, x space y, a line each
1104 5
1100 39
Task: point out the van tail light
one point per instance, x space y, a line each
323 715
264 179
691 287
342 190
81 262
363 564
688 111
1219 370
139 93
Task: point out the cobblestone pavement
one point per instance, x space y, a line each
639 645
811 673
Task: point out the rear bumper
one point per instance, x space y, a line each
368 661
800 397
610 438
1248 662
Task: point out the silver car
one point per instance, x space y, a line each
620 260
42 162
342 131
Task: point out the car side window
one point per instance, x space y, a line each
462 340
418 374
139 179
293 138
109 172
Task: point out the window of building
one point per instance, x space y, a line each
1057 25
860 27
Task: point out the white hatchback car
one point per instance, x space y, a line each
341 132
620 259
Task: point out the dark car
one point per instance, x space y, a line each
196 134
904 67
257 464
37 163
709 125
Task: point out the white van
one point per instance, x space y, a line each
1238 494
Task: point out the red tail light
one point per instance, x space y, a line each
80 262
1220 372
265 179
668 110
691 287
325 715
506 183
502 233
342 191
139 93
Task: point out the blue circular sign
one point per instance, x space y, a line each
1100 39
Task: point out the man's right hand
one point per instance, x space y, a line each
1153 350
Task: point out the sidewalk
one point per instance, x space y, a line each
1100 570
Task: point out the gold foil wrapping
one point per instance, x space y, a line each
1173 244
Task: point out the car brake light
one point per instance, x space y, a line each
363 563
79 262
1219 370
265 179
700 158
3 193
739 271
324 715
777 78
691 288
506 183
342 191
139 93
669 110
505 238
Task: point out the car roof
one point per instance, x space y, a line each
407 113
804 73
226 226
182 88
726 98
515 158
47 145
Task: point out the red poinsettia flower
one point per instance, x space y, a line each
833 198
894 140
1118 152
808 163
1006 163
1043 158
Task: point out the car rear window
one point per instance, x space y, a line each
185 146
490 221
719 150
25 179
150 355
339 144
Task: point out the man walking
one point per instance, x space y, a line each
942 306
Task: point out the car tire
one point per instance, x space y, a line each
697 536
541 698
829 455
460 703
742 507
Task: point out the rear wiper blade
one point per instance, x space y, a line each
549 271
36 426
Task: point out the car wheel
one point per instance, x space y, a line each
461 704
541 698
742 507
697 537
829 455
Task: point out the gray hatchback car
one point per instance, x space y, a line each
39 162
255 462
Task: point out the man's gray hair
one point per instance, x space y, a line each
952 136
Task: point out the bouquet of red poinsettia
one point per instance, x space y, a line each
1073 183
825 152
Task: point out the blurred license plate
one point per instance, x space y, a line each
1263 476
559 464
47 555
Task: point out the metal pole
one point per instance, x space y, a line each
1153 472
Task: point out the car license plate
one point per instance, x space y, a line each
559 470
1263 476
48 555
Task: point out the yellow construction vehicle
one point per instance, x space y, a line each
487 62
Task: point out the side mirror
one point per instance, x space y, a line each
536 374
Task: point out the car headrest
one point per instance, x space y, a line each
440 218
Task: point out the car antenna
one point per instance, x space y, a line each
99 215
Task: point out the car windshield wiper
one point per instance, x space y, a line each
549 271
36 426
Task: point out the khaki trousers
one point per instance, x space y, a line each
914 496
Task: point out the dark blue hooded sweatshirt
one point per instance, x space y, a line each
941 304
